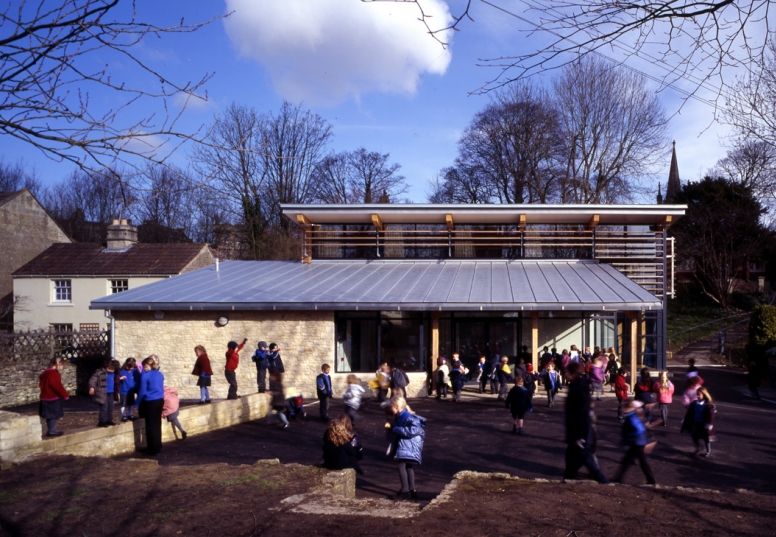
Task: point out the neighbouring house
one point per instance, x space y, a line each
59 283
26 230
407 283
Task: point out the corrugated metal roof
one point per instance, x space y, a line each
391 285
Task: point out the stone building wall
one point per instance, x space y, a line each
19 379
306 340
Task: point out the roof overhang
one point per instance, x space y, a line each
648 215
391 286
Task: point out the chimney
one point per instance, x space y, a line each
121 234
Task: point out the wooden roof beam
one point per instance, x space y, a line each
667 221
521 222
449 222
303 221
377 222
594 220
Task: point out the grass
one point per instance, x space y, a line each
690 309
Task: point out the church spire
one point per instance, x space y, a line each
659 195
674 185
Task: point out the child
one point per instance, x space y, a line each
101 386
51 394
518 402
664 390
127 388
170 409
341 448
352 398
482 374
407 434
504 378
699 420
621 390
325 393
612 367
551 383
261 359
295 407
278 396
529 381
274 360
443 377
457 379
596 376
232 362
383 381
203 372
634 437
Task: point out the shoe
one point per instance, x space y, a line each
707 454
208 401
202 402
285 426
402 496
132 418
413 495
103 424
184 434
514 429
597 398
54 433
110 423
520 430
124 418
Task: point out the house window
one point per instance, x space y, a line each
118 286
756 267
89 327
63 292
59 328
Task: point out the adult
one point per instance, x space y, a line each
664 390
634 437
150 402
261 359
407 434
341 448
51 394
580 434
699 421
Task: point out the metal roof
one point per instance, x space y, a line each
331 214
391 285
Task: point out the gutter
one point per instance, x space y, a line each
112 333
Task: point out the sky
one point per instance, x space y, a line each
368 68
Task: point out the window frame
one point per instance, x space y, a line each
116 289
58 291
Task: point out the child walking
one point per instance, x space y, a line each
352 398
101 387
170 409
634 437
551 383
699 420
127 388
518 402
51 394
325 393
203 372
407 433
664 390
278 396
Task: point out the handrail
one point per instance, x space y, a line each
708 322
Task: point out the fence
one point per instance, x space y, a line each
23 355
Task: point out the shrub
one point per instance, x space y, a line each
762 330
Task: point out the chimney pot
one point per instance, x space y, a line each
121 235
115 222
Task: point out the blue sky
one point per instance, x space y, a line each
367 68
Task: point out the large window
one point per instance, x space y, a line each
62 291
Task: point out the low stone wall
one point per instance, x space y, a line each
21 436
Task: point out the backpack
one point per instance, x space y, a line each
401 380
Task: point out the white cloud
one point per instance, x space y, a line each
326 51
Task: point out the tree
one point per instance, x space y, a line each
167 206
54 53
752 164
460 185
16 176
613 128
720 233
691 41
358 176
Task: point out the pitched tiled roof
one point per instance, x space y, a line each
8 195
93 259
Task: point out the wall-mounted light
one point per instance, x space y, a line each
158 315
222 321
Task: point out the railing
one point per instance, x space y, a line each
45 343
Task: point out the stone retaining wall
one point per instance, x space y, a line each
19 379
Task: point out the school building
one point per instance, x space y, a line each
405 283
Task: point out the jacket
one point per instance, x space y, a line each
261 358
664 397
233 358
518 400
50 385
408 433
596 374
151 387
323 386
275 362
633 431
202 365
352 396
578 420
341 457
171 401
504 374
708 418
620 388
443 371
457 379
551 381
99 381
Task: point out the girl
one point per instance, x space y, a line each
612 367
204 373
341 448
518 402
621 390
278 397
664 390
699 420
407 434
150 402
443 377
551 383
693 385
596 376
51 394
127 388
170 410
352 398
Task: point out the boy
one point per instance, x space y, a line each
232 361
102 384
261 359
323 387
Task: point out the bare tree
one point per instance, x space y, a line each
459 184
15 176
166 206
752 164
358 176
53 54
613 127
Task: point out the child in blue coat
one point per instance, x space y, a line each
407 433
127 388
518 402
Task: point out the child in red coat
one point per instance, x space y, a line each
51 394
621 390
